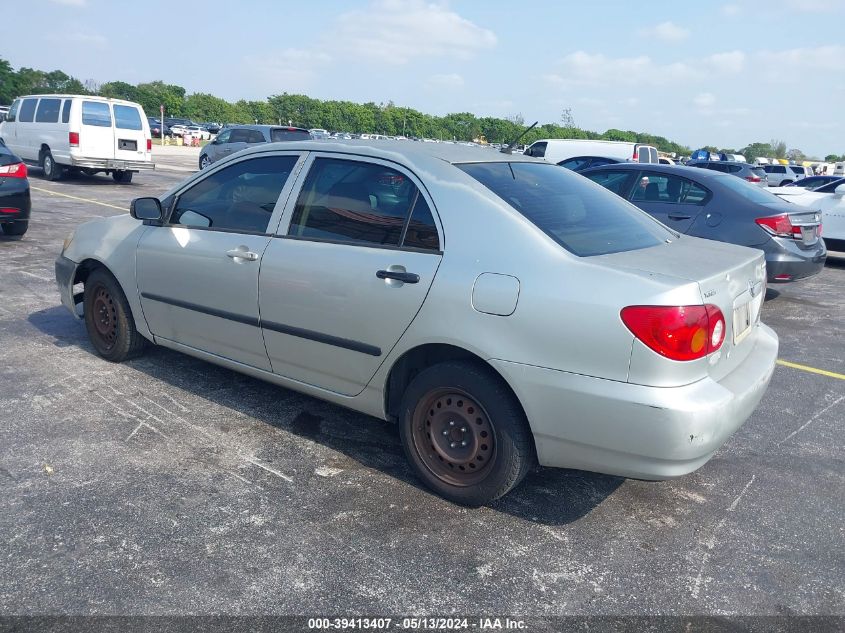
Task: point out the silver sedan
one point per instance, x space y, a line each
501 310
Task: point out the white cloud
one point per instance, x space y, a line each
396 32
704 100
667 31
449 80
732 62
584 68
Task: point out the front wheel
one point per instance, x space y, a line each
465 433
122 177
108 318
205 161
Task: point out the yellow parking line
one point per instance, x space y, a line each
65 195
812 370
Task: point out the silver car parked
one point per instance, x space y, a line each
501 310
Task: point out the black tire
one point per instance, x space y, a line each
477 399
122 177
108 318
15 228
205 161
52 170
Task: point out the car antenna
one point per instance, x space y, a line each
509 148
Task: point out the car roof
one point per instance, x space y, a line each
699 173
86 97
411 153
250 126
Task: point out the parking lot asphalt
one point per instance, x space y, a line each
167 485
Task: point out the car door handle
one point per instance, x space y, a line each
408 278
679 216
237 253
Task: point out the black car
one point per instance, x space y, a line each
580 163
155 128
15 204
721 207
812 183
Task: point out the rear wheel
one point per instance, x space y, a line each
108 318
205 161
52 170
464 433
15 228
122 177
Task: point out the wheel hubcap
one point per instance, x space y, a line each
48 165
104 316
453 437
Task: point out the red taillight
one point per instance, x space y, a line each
73 139
149 144
753 178
8 210
780 226
18 170
677 332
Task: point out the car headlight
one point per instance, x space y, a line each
68 241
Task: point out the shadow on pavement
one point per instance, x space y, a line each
547 495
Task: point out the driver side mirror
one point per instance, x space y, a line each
840 190
146 209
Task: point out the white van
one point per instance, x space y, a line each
838 169
84 133
579 154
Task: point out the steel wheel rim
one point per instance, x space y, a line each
104 316
205 162
453 437
48 165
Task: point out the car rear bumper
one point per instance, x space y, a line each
15 203
634 430
785 258
110 163
65 274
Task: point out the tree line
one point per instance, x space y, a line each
373 118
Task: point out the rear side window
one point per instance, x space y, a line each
655 187
27 113
421 231
48 111
283 134
96 113
255 136
575 163
734 169
66 111
127 118
583 218
357 202
240 197
615 181
240 135
760 173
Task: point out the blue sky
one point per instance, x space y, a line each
725 73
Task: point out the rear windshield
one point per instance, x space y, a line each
750 192
96 113
585 218
759 172
127 117
283 134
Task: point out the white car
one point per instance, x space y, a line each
830 200
179 129
82 133
557 150
780 175
201 132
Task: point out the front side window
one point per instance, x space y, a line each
48 111
66 111
223 137
357 202
13 111
655 187
127 118
584 219
240 197
538 150
96 113
27 113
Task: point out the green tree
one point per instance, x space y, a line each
120 90
757 150
8 83
778 148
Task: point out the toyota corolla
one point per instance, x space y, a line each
501 310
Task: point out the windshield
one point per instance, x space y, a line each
585 218
284 134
